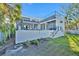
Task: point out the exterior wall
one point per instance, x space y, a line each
60 23
24 35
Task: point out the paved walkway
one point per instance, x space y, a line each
8 45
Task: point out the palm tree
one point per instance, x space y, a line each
12 12
15 15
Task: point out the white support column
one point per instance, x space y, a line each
33 27
45 26
39 26
30 27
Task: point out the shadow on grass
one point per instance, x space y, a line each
73 42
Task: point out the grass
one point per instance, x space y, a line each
62 46
73 42
67 45
59 46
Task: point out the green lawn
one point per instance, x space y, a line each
68 45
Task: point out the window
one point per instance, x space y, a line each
61 21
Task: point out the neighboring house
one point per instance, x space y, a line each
29 29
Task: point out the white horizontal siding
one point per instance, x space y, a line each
24 35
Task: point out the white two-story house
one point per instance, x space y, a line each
29 28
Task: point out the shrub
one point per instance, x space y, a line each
26 44
38 40
34 42
2 42
29 43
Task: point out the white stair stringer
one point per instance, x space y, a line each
58 34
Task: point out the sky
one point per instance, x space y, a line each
40 10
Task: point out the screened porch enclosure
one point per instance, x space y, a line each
40 26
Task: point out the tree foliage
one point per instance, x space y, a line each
13 13
72 16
